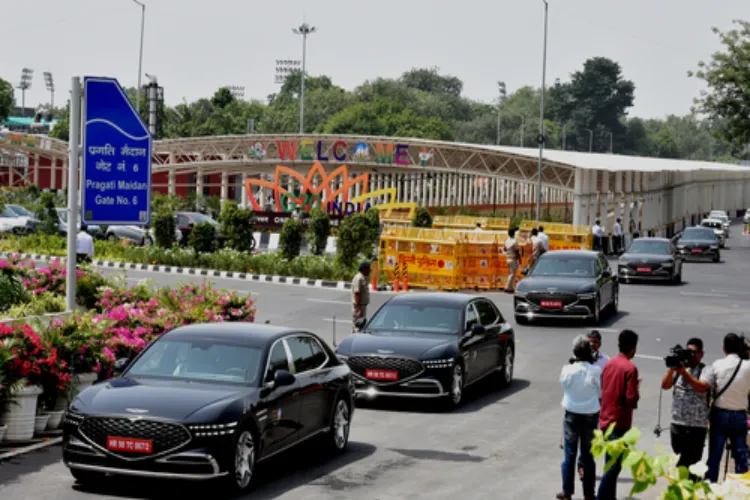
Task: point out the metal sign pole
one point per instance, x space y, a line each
75 132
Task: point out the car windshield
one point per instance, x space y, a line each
203 218
199 360
20 210
696 234
576 267
416 318
722 218
7 212
62 215
711 224
650 247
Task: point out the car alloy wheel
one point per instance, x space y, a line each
597 310
244 460
341 424
457 385
507 372
616 302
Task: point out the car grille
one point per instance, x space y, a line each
164 436
405 367
566 298
652 265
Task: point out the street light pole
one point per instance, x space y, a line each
501 101
591 139
541 137
304 30
140 57
610 142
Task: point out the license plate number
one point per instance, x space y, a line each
552 304
381 374
643 269
697 250
131 445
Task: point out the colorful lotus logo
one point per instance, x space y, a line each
258 151
361 151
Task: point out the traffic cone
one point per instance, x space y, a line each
395 285
406 282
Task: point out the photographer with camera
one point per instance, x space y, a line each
689 401
729 381
581 380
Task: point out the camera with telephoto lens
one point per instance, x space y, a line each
679 357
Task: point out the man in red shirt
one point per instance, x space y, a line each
620 385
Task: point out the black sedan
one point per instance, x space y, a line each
210 401
567 284
430 345
650 259
699 243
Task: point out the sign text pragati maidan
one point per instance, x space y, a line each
331 187
338 151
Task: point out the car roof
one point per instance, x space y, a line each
710 219
445 299
251 334
653 238
571 253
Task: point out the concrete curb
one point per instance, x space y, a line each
208 273
27 449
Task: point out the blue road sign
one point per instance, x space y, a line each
116 173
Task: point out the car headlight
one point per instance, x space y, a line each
73 418
586 296
714 247
667 264
213 429
342 357
439 363
521 295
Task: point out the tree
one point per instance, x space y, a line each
222 98
7 101
61 129
727 76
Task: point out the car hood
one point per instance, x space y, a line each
645 257
399 343
565 284
695 242
162 399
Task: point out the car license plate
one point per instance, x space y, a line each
643 269
552 304
145 446
381 374
697 250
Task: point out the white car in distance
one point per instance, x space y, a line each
718 228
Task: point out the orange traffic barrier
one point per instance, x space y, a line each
374 272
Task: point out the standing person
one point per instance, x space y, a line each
596 232
617 237
582 383
620 394
513 256
478 228
360 293
729 379
537 247
545 239
84 245
600 359
689 407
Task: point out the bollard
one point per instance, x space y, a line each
405 276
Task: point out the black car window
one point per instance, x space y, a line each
306 353
565 265
471 317
415 318
487 314
650 247
277 360
699 234
182 221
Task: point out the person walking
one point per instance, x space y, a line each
513 257
478 229
84 245
545 239
360 293
620 395
596 231
600 360
582 383
689 407
537 247
729 379
617 237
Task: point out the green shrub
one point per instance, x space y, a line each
373 223
164 229
12 292
44 303
203 237
319 230
290 241
237 226
422 218
516 221
48 215
355 238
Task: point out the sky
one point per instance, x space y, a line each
194 47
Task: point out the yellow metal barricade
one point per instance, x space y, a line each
480 259
562 236
429 254
466 222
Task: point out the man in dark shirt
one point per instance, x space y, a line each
619 398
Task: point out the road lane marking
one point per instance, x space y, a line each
327 301
646 356
700 294
731 291
338 320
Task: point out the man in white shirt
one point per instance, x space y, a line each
84 245
729 379
596 232
478 229
544 238
617 237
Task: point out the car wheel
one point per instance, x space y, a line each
242 462
677 278
506 373
339 433
597 310
87 477
615 302
717 258
456 395
521 320
147 241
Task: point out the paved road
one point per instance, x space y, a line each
501 444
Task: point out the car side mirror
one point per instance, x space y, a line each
282 378
607 273
121 364
477 329
524 271
360 323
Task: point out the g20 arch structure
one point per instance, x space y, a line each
286 171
